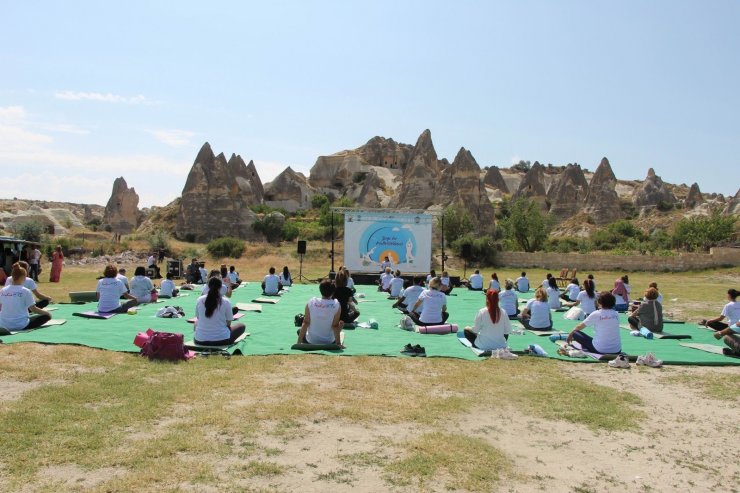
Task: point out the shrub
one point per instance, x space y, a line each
159 239
483 249
271 226
318 201
290 231
702 233
526 227
29 230
225 247
457 223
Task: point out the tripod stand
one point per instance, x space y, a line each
300 271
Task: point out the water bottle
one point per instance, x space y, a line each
644 332
536 350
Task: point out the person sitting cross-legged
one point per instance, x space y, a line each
321 320
396 285
109 292
271 284
433 304
214 325
15 302
475 283
491 327
536 315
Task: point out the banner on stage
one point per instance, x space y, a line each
369 237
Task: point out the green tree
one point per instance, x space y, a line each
457 222
526 227
271 226
29 230
159 239
702 233
225 247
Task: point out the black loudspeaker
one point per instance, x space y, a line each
467 251
301 247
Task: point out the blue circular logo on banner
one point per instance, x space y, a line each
387 239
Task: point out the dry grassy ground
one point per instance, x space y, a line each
78 419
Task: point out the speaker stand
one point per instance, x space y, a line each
300 272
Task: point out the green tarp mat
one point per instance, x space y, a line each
273 331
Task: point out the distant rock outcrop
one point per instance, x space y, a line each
495 179
215 202
652 193
461 184
340 170
420 177
601 201
122 210
694 197
533 185
567 193
289 190
733 205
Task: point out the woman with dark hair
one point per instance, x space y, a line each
285 279
491 327
553 293
536 315
321 319
621 296
214 326
15 302
433 304
605 322
571 291
731 311
141 286
109 292
57 261
494 283
586 299
648 314
344 296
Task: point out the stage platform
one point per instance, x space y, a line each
372 279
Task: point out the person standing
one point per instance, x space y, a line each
57 261
34 257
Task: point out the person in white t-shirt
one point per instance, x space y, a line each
30 284
410 295
546 282
167 289
141 286
122 277
731 337
433 304
494 283
396 285
522 283
34 261
203 275
15 303
491 327
109 292
233 276
321 319
586 299
350 281
445 284
285 279
385 280
605 323
386 264
508 300
553 294
271 285
475 283
571 291
731 311
214 325
536 315
660 296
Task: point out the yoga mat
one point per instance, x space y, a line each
84 296
275 334
674 321
595 356
540 333
708 348
266 300
465 342
437 329
95 315
192 345
51 308
54 321
249 307
50 323
237 316
304 346
660 335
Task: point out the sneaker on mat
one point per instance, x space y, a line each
620 361
409 350
419 351
505 353
730 352
649 360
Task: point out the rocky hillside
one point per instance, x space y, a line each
382 173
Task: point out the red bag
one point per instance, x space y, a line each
165 346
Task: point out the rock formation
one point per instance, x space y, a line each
567 193
652 193
601 201
495 179
212 203
694 197
340 170
461 184
122 210
420 177
289 190
733 204
247 179
533 185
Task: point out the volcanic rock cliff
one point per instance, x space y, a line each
601 201
122 210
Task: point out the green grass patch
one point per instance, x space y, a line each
723 387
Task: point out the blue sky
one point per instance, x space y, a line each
90 91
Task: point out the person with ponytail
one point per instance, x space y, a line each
731 312
586 299
15 302
491 327
214 326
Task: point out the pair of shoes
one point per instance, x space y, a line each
649 360
730 352
620 361
503 353
410 350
